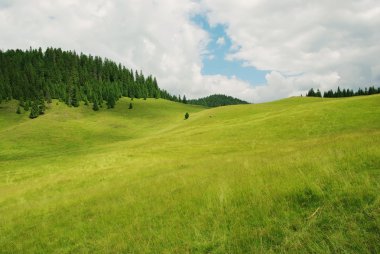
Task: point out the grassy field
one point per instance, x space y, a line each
300 175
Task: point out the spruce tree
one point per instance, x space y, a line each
130 106
187 115
311 93
95 106
27 105
371 90
34 112
338 93
110 102
48 97
75 97
41 107
184 100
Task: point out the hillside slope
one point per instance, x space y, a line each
296 175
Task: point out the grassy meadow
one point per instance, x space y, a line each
299 175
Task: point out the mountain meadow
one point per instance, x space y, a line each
299 175
189 127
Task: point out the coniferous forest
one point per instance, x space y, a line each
343 92
34 77
217 100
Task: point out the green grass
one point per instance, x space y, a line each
300 175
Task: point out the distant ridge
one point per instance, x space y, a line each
217 100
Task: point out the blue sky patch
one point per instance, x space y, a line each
214 61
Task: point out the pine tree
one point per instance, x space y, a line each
311 93
344 92
95 106
187 115
34 112
184 100
130 106
27 105
110 101
338 93
75 97
48 97
41 107
371 90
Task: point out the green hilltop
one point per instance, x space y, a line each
299 175
217 100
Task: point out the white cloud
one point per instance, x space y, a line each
221 41
318 44
155 36
301 44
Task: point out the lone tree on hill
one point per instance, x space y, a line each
187 115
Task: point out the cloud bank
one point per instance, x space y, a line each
318 44
304 44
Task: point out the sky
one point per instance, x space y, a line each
257 50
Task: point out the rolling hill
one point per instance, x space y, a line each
217 100
296 175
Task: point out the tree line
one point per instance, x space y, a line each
217 100
34 77
343 92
